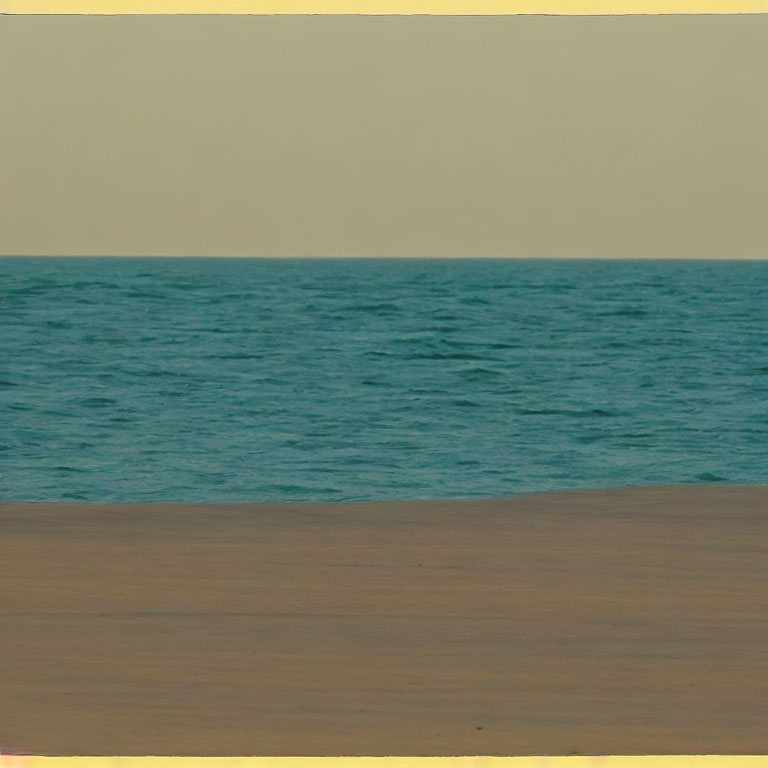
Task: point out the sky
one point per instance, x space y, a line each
342 136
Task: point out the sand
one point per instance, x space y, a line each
631 621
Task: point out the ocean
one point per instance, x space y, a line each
247 380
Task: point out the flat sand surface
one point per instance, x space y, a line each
628 621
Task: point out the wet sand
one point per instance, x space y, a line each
631 621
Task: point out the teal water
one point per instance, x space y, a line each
209 380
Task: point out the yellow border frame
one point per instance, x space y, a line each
644 761
386 7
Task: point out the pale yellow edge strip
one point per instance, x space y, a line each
385 7
646 761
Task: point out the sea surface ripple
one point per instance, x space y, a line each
215 380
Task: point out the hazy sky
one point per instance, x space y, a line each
391 136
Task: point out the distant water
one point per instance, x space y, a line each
254 380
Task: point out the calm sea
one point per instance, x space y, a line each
209 380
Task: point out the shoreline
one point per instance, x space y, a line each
614 621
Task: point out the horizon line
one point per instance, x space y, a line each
740 259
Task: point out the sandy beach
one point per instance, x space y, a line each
627 621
